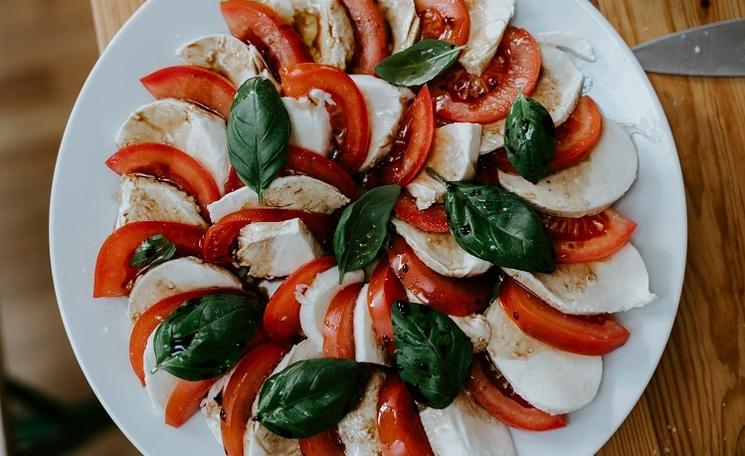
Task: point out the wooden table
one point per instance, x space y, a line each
695 404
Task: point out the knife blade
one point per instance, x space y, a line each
716 49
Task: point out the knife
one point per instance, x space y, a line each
712 50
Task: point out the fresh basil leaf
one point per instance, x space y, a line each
418 64
258 134
493 224
363 227
432 353
311 396
153 250
206 336
530 138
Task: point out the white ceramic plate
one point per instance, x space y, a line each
83 211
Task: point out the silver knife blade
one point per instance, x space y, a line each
712 50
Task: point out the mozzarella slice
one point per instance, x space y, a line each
579 47
159 384
211 409
276 249
454 153
403 21
302 193
476 328
441 252
358 431
465 429
143 198
550 380
176 277
227 55
385 106
558 90
367 347
311 123
589 187
185 126
315 300
617 284
326 31
489 19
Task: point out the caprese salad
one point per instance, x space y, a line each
372 227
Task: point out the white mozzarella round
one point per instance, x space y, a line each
159 384
211 410
367 346
551 380
176 277
403 21
311 122
144 198
577 46
185 126
589 187
476 328
489 19
358 431
324 27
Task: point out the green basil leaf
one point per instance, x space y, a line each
153 250
206 336
493 224
363 227
418 64
432 353
311 396
258 134
530 138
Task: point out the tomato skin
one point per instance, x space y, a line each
459 96
399 427
324 444
432 220
500 401
453 296
617 231
369 28
253 21
192 83
591 336
185 400
113 272
338 327
301 161
220 236
383 291
167 162
298 80
447 20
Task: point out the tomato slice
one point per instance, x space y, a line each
585 335
494 393
463 97
369 28
219 237
167 162
350 114
399 427
185 399
324 444
447 20
432 220
282 314
338 327
192 83
413 141
453 296
257 23
113 273
301 161
245 382
590 238
384 289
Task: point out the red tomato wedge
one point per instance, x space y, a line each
590 238
301 161
324 444
245 383
444 20
258 24
220 236
585 335
282 314
338 326
495 395
371 31
411 145
185 400
399 427
113 272
453 296
462 97
349 117
432 220
167 162
384 289
192 83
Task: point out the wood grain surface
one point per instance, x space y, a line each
695 404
